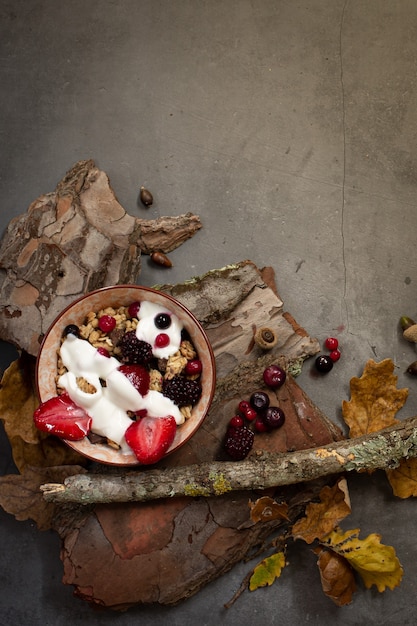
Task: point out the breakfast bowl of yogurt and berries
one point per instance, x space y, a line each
125 376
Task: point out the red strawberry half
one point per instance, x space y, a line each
150 437
60 416
138 376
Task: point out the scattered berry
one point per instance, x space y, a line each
150 437
331 343
259 400
260 425
162 340
106 323
133 309
274 417
323 364
243 406
236 421
135 350
335 355
239 442
251 414
182 391
162 321
103 352
71 329
274 376
194 367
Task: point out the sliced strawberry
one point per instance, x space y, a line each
150 437
138 376
60 416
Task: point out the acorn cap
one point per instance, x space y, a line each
266 338
410 333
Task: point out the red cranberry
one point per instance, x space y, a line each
236 421
103 352
194 367
335 355
331 343
106 323
260 425
133 309
162 340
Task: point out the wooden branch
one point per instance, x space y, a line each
380 450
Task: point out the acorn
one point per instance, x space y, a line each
145 196
161 259
412 369
406 322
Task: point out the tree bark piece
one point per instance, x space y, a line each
69 242
260 471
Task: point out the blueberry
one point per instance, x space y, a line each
323 364
259 400
71 329
274 417
162 321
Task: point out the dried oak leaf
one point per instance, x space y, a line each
337 576
376 563
20 494
265 509
267 571
375 399
322 517
18 400
403 479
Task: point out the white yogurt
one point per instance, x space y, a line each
109 405
147 331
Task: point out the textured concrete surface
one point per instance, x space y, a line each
290 128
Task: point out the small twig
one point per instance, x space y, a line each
381 450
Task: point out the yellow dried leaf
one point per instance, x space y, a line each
376 563
266 509
375 399
267 571
322 517
403 479
20 494
337 577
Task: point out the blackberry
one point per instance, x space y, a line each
182 391
239 442
135 350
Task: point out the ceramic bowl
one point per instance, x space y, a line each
116 296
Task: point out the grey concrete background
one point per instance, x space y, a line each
290 128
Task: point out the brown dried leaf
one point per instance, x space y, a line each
18 399
20 494
375 399
337 576
321 518
266 509
403 479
